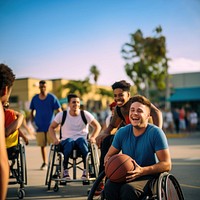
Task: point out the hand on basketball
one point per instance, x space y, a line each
136 173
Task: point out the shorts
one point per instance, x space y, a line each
43 139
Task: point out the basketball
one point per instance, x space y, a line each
117 167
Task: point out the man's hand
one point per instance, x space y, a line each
92 140
56 141
136 173
100 138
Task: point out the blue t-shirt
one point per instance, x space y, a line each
142 148
44 111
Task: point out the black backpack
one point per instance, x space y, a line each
65 115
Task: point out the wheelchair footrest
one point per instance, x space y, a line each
13 182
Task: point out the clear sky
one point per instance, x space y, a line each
49 39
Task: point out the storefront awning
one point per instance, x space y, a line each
185 94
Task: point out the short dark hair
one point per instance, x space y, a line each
7 77
70 96
141 99
42 82
125 86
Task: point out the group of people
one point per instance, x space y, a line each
180 120
134 128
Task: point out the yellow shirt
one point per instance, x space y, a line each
12 139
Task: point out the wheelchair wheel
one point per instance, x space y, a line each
94 160
50 166
169 188
23 164
56 187
21 175
21 193
91 194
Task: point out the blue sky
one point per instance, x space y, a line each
63 38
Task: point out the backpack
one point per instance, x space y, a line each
65 115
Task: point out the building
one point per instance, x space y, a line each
25 88
185 90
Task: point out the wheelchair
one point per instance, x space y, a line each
18 168
55 166
163 187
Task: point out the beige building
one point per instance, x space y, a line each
25 88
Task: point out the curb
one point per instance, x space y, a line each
175 135
182 135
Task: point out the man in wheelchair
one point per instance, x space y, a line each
15 151
74 131
145 143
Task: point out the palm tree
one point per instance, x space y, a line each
95 73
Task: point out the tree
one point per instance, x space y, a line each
79 87
146 61
95 73
105 92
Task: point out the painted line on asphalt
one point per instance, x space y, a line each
185 163
190 186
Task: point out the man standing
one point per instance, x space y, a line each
44 104
6 82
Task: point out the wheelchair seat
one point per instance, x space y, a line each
55 165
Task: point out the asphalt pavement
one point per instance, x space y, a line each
185 152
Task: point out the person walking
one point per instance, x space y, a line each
43 104
7 78
175 113
74 131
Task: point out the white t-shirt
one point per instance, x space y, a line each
74 126
193 118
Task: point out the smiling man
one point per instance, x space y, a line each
74 132
143 142
123 99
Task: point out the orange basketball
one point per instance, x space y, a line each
117 166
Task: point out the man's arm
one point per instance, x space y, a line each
96 130
112 151
163 165
52 133
4 167
103 135
114 123
156 116
15 124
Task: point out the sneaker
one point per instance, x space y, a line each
66 174
84 175
43 167
99 189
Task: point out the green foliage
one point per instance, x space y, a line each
105 92
79 87
146 61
